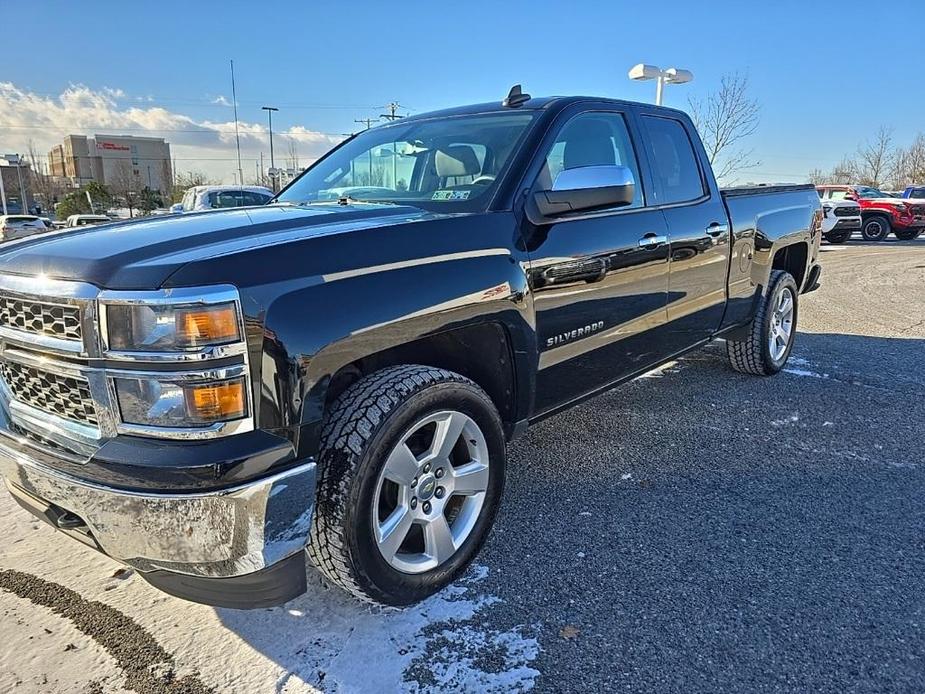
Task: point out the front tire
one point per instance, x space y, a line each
876 228
766 348
907 234
837 236
411 471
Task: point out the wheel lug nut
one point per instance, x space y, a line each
414 502
414 483
426 467
426 507
440 492
439 473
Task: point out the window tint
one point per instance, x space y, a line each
592 139
235 198
674 165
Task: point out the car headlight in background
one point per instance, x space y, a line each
170 328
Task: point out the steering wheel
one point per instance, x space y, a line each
483 180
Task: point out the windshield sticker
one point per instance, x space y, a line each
450 195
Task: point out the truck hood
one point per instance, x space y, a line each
142 254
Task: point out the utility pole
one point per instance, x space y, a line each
237 136
2 192
368 122
269 110
391 115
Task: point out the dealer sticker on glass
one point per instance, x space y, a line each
450 195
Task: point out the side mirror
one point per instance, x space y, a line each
176 208
587 188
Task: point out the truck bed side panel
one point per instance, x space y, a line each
765 220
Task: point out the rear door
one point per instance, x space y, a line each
598 280
698 228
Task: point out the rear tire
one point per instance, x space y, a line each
766 348
876 228
411 470
907 234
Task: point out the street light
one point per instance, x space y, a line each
672 75
269 110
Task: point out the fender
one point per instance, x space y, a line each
315 327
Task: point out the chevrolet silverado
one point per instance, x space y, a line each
209 397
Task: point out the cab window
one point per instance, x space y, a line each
592 139
674 164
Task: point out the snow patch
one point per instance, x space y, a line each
659 371
327 641
807 373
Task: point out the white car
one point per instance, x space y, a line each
19 226
840 219
201 198
83 220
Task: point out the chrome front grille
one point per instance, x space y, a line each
40 318
67 397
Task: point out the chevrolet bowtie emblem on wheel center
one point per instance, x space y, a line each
426 488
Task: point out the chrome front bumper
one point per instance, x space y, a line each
221 534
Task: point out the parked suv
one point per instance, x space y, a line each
914 192
880 213
840 219
201 198
18 226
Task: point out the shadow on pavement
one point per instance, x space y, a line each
702 530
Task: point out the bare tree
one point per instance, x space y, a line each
909 164
876 158
125 184
724 119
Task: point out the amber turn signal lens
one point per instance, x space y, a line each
216 401
201 326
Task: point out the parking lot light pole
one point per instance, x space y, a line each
672 75
269 110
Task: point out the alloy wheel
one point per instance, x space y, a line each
430 492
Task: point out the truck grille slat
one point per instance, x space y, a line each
64 396
847 212
39 318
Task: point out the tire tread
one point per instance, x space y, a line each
352 421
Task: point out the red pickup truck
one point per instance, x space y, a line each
881 213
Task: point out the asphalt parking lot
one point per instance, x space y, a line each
695 531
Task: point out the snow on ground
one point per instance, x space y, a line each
321 641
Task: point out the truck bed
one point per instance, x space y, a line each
739 191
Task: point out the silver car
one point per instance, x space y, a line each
19 226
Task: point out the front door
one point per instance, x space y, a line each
600 280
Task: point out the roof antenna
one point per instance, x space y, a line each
515 97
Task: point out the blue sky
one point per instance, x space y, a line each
827 74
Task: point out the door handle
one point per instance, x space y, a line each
652 240
717 229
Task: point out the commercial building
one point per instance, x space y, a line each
122 162
16 181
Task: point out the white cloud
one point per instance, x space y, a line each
205 145
221 100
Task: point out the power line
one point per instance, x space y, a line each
206 130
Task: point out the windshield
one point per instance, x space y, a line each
871 193
450 164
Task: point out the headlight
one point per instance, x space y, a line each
170 328
163 402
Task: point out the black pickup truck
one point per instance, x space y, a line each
207 397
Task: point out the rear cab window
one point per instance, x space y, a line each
675 169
